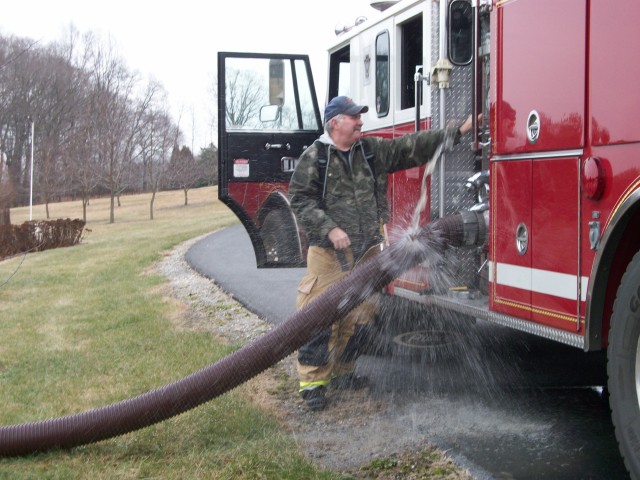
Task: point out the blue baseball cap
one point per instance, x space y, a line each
342 105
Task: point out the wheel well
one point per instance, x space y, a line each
618 246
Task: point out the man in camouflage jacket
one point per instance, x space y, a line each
342 215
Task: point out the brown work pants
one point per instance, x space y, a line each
326 355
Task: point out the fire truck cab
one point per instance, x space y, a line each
553 163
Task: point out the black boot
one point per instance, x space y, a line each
315 398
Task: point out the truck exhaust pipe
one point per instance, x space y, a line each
463 229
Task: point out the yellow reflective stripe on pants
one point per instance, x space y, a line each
312 385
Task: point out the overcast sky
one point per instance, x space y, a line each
177 44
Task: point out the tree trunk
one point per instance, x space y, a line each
5 216
153 198
85 202
112 208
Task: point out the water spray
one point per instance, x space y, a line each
463 229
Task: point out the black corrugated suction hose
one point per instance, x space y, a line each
178 397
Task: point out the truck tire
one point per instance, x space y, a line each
623 367
272 236
280 239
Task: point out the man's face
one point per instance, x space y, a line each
347 129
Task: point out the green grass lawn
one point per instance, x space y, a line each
86 326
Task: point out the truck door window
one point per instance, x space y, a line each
411 48
382 74
460 32
268 94
339 73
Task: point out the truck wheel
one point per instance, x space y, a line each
623 367
271 232
280 239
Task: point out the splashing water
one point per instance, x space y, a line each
448 339
446 145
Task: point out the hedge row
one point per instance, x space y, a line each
39 235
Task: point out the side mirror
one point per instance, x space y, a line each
269 113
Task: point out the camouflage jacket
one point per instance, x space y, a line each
354 200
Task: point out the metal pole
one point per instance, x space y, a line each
475 144
417 77
31 187
443 105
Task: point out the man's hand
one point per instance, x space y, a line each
339 238
467 125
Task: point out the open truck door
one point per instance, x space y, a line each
267 116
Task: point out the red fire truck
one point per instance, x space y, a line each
554 164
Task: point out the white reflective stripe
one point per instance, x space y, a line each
561 285
513 276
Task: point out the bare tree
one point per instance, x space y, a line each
55 113
184 170
157 139
118 123
18 80
82 160
83 164
244 94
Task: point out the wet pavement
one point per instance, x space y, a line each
504 404
508 414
